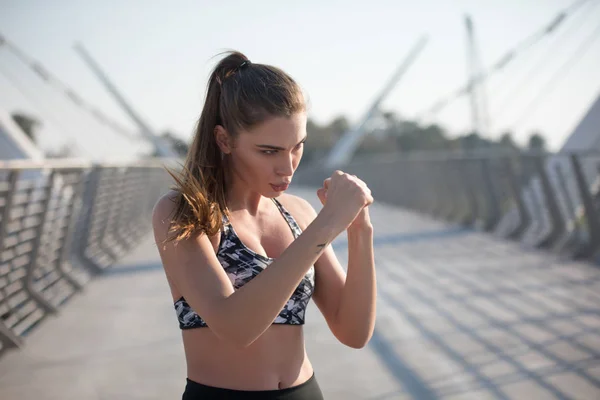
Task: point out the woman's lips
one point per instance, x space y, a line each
280 188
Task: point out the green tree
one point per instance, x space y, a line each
338 127
507 141
397 134
472 141
536 142
409 135
433 137
321 138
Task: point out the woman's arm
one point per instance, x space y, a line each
347 301
238 316
357 310
241 316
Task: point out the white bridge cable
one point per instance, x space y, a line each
77 101
556 78
506 59
40 110
532 70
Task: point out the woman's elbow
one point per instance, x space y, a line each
356 343
233 336
354 339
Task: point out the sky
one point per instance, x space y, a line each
160 54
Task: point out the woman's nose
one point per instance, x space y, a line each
286 166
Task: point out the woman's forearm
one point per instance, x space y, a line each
357 309
250 310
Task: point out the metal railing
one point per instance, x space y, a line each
64 221
546 200
61 223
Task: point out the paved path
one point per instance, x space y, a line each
461 315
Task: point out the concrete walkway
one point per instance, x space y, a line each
461 315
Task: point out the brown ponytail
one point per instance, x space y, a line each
240 95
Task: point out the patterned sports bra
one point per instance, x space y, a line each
241 265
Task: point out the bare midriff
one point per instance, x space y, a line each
276 360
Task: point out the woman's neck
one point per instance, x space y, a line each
239 197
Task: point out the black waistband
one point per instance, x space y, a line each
308 390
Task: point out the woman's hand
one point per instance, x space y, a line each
362 219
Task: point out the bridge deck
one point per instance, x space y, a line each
461 315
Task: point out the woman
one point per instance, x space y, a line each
243 258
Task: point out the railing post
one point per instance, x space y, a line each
493 211
13 177
7 336
473 213
440 207
536 209
64 258
127 211
575 237
35 252
133 212
590 213
453 208
558 225
452 195
517 192
461 207
430 200
85 224
105 232
418 188
117 244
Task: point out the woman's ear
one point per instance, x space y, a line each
223 139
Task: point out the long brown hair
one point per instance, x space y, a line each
240 95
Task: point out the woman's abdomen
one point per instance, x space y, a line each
276 360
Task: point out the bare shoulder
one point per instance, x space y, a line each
163 210
162 217
302 211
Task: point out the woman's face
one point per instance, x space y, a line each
266 157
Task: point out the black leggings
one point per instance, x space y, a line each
308 390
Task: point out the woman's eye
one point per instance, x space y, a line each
273 152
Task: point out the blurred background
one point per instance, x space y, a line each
534 67
475 123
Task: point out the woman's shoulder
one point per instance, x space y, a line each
162 217
162 214
164 206
302 211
